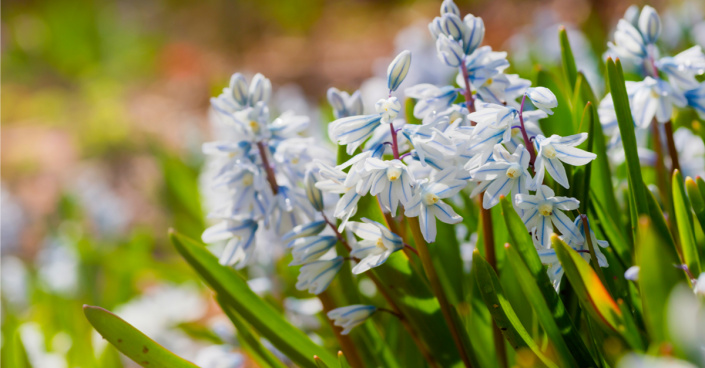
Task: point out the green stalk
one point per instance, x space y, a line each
449 313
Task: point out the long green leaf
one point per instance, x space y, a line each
657 278
131 342
567 59
558 123
684 221
697 201
234 290
593 295
524 246
530 288
248 338
626 129
502 311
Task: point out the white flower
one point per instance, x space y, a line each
449 51
508 172
428 205
353 130
699 285
655 98
555 150
431 98
628 43
452 26
310 248
317 275
344 104
542 98
682 68
448 6
391 181
314 194
696 99
351 316
260 90
544 209
649 24
398 69
240 235
389 109
377 244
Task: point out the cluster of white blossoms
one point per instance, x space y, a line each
669 81
481 135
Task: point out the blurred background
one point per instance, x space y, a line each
104 109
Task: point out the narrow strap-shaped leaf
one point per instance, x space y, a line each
248 338
502 312
626 129
131 342
558 122
697 201
684 221
657 278
659 225
567 59
234 290
611 228
592 294
538 304
524 246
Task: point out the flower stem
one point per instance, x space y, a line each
527 141
395 314
271 178
395 144
446 308
672 151
469 101
346 343
491 257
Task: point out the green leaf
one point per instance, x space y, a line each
131 342
234 290
501 310
581 188
530 288
684 221
657 278
343 362
568 61
558 123
658 223
524 246
593 295
610 227
248 338
626 129
697 201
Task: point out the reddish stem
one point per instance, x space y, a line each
527 142
271 178
470 102
395 144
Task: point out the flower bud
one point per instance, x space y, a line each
336 100
309 249
452 26
435 27
449 7
449 51
354 104
542 98
314 194
310 229
316 276
632 273
351 316
397 70
260 89
631 15
238 89
474 33
649 24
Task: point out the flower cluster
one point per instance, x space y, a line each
668 81
480 135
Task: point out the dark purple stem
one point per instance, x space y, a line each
527 141
271 178
395 145
468 92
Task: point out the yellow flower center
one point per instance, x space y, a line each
549 151
254 126
546 209
380 243
513 172
247 180
654 94
516 131
393 173
489 82
430 199
295 160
